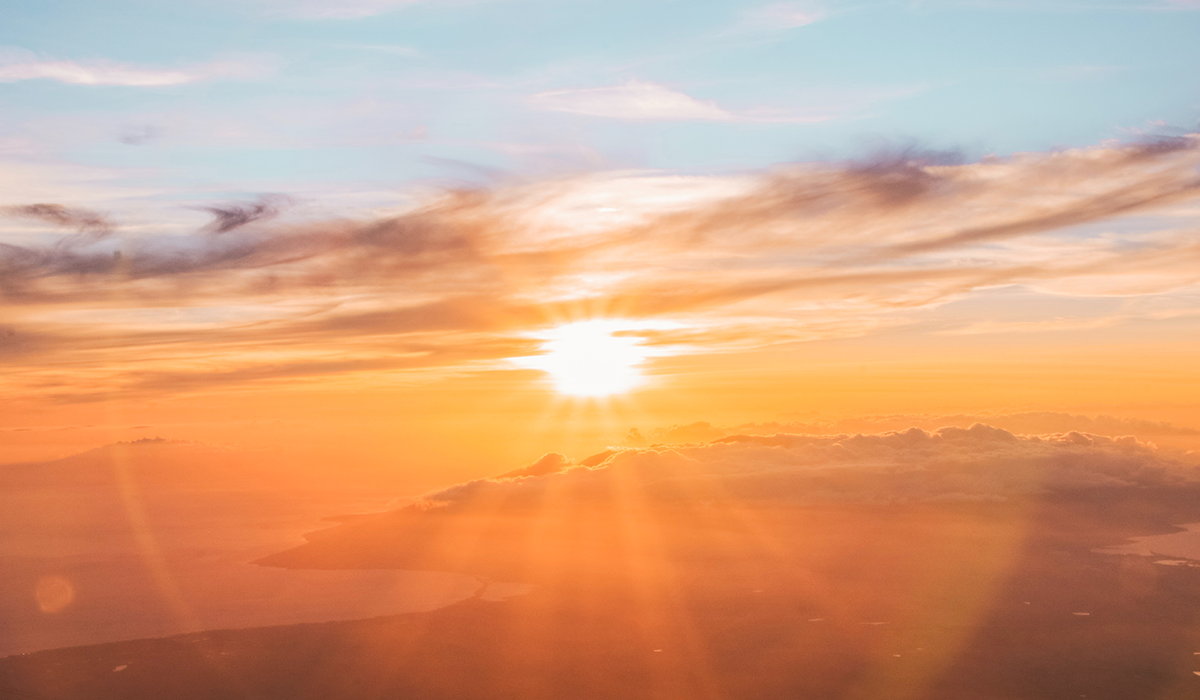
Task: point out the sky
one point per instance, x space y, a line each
443 237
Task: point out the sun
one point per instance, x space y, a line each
590 359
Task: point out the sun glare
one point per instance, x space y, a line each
589 358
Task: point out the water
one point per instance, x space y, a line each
1178 545
80 567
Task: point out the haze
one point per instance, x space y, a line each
531 349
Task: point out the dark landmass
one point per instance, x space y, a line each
946 601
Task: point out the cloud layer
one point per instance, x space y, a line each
460 278
1025 423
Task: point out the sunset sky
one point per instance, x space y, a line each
441 239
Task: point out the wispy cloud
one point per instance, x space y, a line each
18 64
634 99
59 215
645 101
334 9
778 17
95 73
390 49
227 217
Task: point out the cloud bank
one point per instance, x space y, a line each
1024 423
976 463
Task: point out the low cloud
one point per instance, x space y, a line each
638 100
1023 423
976 463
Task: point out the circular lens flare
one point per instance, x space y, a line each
587 359
53 593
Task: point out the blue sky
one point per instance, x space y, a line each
215 99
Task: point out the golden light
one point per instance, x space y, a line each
588 358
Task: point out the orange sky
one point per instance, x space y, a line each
392 340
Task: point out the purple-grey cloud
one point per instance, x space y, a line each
804 251
227 217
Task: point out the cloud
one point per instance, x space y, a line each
457 279
550 463
335 9
1023 423
227 217
90 226
392 241
138 135
18 64
976 463
57 214
645 101
74 73
778 17
635 99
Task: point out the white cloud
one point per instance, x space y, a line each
779 16
646 101
92 74
335 9
18 64
635 99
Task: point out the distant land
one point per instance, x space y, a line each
683 572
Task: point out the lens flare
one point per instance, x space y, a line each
53 593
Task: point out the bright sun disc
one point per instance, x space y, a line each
587 359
